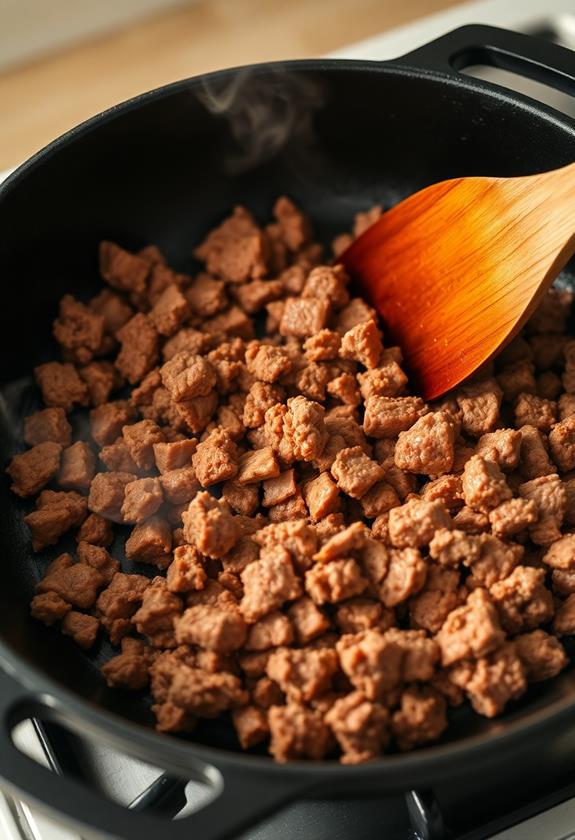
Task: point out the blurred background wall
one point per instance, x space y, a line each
61 61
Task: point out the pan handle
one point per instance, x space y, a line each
537 59
240 799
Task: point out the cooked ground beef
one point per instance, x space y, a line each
336 561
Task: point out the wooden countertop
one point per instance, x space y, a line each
40 100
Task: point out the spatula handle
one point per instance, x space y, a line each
534 58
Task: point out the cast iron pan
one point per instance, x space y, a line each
164 168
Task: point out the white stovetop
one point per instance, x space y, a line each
17 821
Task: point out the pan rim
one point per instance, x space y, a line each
93 720
393 67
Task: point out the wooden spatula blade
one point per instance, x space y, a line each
456 269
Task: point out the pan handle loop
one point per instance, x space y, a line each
240 800
529 56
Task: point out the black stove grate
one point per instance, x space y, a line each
418 815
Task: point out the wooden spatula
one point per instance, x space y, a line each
456 269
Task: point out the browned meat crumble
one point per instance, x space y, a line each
367 560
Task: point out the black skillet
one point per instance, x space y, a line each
164 168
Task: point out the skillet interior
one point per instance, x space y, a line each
154 172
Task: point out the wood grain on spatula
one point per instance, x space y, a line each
456 269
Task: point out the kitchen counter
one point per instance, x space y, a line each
42 99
